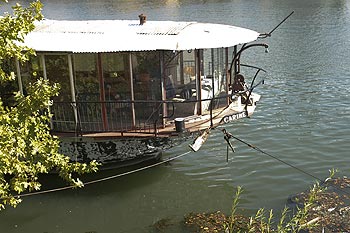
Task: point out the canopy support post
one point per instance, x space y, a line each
19 77
132 91
72 89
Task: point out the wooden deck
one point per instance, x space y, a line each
192 124
220 116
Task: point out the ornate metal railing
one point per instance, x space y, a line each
125 116
116 116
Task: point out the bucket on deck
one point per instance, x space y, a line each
180 125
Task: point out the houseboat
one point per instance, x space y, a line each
133 88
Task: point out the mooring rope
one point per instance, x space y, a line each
229 135
103 179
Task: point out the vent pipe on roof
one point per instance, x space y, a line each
142 19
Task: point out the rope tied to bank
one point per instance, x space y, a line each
228 136
105 178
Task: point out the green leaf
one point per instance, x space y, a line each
27 148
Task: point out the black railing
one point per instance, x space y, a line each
122 116
116 116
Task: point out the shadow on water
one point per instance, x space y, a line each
102 181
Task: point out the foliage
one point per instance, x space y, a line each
12 32
262 221
299 219
234 208
27 148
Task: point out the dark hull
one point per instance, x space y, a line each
118 152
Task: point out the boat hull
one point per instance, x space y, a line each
118 152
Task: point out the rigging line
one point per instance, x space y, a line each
104 179
270 155
229 135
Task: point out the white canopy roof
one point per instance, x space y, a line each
129 35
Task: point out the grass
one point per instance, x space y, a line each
322 208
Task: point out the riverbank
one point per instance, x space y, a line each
323 208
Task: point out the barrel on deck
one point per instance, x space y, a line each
180 125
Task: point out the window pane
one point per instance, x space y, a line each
86 80
116 76
214 79
147 86
30 71
57 72
146 71
117 88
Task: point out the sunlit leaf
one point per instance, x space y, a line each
27 148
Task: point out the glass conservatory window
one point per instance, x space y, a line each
86 80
